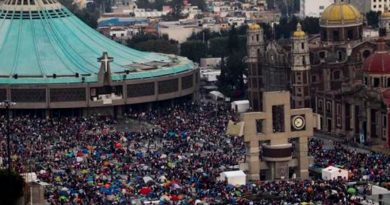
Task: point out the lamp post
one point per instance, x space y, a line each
7 104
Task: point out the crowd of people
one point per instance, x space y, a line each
87 160
362 166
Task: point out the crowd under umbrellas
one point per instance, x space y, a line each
178 161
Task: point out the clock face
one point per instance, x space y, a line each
298 122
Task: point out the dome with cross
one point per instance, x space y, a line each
42 42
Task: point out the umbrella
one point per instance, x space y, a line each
163 156
145 190
63 198
351 191
175 186
147 179
175 198
118 145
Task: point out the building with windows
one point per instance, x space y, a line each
378 5
339 73
310 8
51 60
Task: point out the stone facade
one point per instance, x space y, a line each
277 138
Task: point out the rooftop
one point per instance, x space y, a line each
43 42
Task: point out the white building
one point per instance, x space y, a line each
176 31
237 21
210 62
379 5
314 8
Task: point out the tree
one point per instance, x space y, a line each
201 4
218 47
157 45
231 81
177 7
373 19
311 25
150 42
88 15
194 50
232 43
285 27
11 187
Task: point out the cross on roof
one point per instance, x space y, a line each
105 59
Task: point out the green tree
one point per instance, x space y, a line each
11 187
231 81
200 3
158 45
373 19
285 27
311 25
88 15
194 50
218 47
150 42
232 44
177 7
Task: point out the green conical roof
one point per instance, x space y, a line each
40 38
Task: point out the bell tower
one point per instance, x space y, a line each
300 67
255 50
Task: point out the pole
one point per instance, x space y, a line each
8 138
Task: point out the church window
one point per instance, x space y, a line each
350 34
339 56
376 82
322 54
336 75
324 35
303 45
366 53
259 125
278 118
336 36
313 78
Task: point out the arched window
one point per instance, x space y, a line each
339 56
322 54
303 45
366 53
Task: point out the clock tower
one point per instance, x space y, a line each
277 138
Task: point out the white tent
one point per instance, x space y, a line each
376 190
30 177
216 95
234 177
240 106
331 172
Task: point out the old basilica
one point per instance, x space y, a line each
340 73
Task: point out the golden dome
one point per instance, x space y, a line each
254 26
341 13
299 33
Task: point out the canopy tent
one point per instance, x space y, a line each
240 106
331 173
233 177
30 177
376 190
216 95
